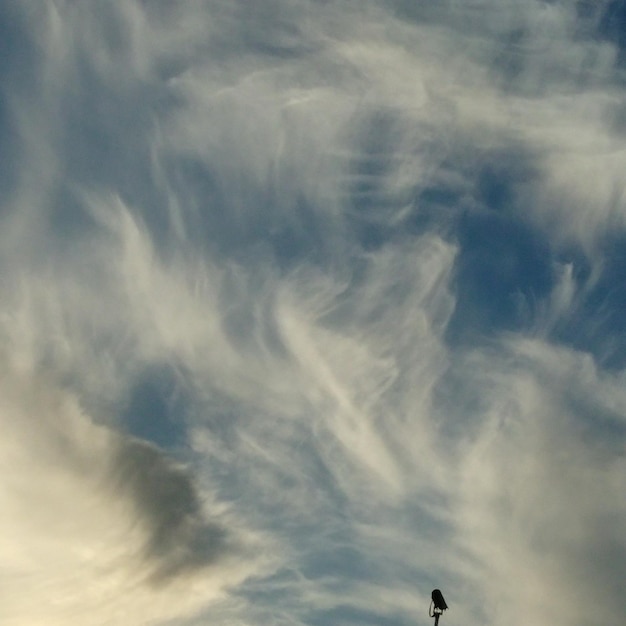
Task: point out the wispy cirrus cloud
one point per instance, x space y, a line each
310 307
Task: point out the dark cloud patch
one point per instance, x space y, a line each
180 538
157 406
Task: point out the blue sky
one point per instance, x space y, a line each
309 307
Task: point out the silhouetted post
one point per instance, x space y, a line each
437 606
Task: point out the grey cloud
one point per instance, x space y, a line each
180 539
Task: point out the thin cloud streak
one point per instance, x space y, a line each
366 248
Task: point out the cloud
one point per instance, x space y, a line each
530 475
166 498
308 308
93 521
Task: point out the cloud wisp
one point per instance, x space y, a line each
309 307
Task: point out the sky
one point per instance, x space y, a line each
308 307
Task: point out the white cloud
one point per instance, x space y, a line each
529 485
241 193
